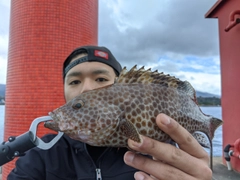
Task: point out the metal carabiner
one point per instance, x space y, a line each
37 141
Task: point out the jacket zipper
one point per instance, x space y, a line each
98 170
98 174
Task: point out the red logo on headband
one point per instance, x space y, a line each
101 54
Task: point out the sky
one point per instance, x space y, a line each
171 36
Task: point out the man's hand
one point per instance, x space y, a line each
188 162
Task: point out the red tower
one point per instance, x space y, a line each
42 34
228 14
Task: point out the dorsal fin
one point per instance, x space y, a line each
143 76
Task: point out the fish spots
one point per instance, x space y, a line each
133 105
134 113
91 113
145 101
162 105
153 119
141 106
150 132
108 122
103 126
139 119
138 111
85 111
149 124
120 100
128 109
129 116
144 123
87 118
133 120
154 94
105 98
156 112
105 93
165 98
167 112
122 144
140 97
121 106
143 115
93 125
102 121
114 141
154 104
143 132
137 102
138 125
147 108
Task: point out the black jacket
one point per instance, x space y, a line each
69 159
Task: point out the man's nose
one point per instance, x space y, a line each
86 86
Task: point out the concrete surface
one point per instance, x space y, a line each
220 171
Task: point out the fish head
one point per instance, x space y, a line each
86 119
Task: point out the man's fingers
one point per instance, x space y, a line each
190 159
142 176
155 168
168 154
181 136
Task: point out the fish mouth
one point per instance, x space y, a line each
53 116
52 124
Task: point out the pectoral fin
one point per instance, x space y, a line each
129 130
202 139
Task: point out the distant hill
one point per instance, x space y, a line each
2 90
206 95
198 93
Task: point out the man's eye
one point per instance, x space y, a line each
75 82
101 80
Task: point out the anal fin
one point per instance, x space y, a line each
202 140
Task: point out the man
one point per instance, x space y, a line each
91 67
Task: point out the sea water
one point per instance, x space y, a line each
2 116
214 111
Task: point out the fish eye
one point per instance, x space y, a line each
78 104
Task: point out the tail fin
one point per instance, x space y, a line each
214 124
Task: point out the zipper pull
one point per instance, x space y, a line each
98 173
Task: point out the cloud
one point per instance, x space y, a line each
4 16
4 30
171 36
203 74
205 82
174 26
3 44
3 70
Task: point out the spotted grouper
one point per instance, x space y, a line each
108 116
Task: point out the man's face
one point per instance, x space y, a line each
87 76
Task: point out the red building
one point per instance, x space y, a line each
42 34
228 14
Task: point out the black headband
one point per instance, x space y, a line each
74 63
